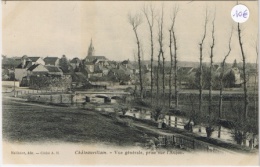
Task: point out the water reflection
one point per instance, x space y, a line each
226 134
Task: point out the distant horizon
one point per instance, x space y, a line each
147 60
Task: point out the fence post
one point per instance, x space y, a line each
169 121
76 101
61 98
71 98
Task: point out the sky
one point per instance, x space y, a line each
56 28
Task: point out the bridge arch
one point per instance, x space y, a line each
101 96
116 97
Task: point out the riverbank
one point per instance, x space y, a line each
41 122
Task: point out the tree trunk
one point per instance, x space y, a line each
170 79
152 67
158 78
246 101
135 22
150 23
200 85
175 72
200 68
221 83
163 80
255 86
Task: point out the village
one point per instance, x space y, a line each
130 83
62 73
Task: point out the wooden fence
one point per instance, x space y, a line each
185 143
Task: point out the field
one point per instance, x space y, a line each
26 122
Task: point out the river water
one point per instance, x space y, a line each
226 134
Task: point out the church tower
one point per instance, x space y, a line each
91 49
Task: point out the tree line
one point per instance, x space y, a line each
157 99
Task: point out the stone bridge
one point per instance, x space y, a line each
107 96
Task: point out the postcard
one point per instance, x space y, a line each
130 83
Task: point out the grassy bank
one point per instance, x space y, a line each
24 122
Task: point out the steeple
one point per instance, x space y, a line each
91 49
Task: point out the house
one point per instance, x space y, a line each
36 60
37 70
54 70
232 77
101 62
132 67
186 76
54 61
26 62
146 67
119 75
104 69
252 78
75 63
90 66
96 59
112 64
20 73
21 69
185 70
237 74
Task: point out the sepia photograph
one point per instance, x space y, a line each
130 83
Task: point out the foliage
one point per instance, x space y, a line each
79 68
206 79
229 79
50 82
65 65
158 112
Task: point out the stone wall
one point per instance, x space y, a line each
53 99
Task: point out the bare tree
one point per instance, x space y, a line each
246 101
135 22
209 128
200 67
221 81
150 20
157 78
161 52
173 58
171 67
256 81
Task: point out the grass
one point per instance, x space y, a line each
33 123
